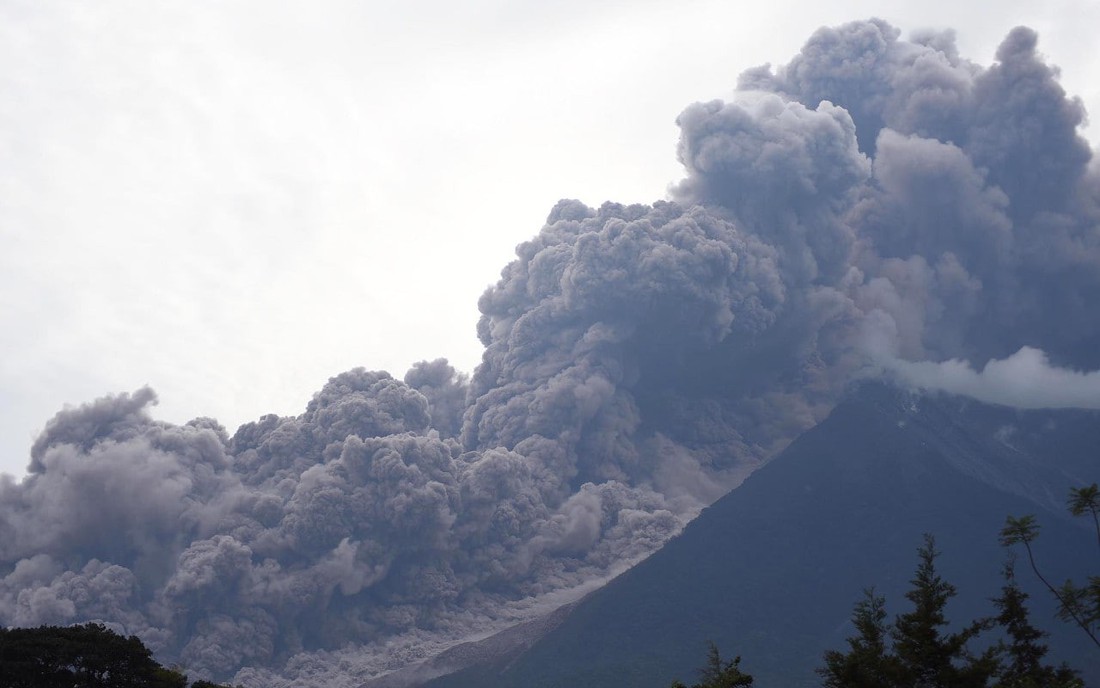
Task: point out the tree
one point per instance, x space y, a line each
927 655
1021 653
1086 499
86 656
718 673
916 651
1077 603
867 664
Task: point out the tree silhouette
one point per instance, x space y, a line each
918 650
718 673
1077 603
929 656
867 663
1022 652
86 656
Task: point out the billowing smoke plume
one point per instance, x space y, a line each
875 205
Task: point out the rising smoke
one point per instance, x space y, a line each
877 205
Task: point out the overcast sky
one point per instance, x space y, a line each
232 202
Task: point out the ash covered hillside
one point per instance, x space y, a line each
878 206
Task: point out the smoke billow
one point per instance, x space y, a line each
876 206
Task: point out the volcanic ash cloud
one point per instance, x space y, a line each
877 205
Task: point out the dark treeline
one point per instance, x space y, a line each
86 656
918 649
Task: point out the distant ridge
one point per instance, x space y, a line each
771 571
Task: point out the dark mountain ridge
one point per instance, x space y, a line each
771 571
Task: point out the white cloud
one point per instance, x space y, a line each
1026 379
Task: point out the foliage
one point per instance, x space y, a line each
917 650
920 652
1022 651
1077 603
867 663
718 673
86 656
927 655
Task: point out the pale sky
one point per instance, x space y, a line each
232 202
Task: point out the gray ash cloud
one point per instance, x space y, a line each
877 205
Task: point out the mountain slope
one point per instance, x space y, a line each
771 571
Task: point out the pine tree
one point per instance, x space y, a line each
917 651
867 664
927 655
718 673
1022 652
